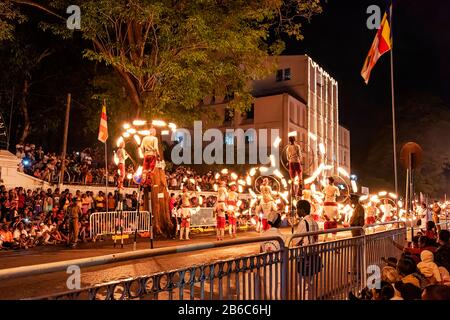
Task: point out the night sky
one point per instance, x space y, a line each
339 41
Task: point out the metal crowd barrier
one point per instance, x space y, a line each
326 271
107 223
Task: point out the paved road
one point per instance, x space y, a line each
56 282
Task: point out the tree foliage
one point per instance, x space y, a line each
170 54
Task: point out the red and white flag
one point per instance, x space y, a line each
103 130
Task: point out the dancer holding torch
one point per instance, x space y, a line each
232 210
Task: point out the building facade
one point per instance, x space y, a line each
299 97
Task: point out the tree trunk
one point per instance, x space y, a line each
162 225
24 110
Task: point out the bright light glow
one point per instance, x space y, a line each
248 180
374 199
286 208
354 186
278 173
224 171
234 176
118 171
392 195
253 221
239 203
126 135
263 169
312 136
241 182
292 134
217 176
322 148
382 193
139 122
137 139
141 154
126 126
185 179
192 181
144 132
313 188
284 183
252 172
283 217
315 174
232 183
129 176
252 193
277 142
200 200
343 172
116 160
278 201
165 132
158 123
119 141
138 172
199 189
272 160
131 130
364 197
215 187
400 204
172 126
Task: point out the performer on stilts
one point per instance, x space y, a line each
220 209
149 147
330 207
185 213
232 210
294 156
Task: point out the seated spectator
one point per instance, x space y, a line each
408 291
436 292
6 238
428 268
407 270
442 254
431 230
21 236
390 275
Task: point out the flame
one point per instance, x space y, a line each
126 126
139 122
131 130
252 172
126 134
343 172
215 187
354 186
240 189
165 132
129 176
312 136
119 141
158 123
217 176
224 171
322 148
272 160
382 193
144 132
278 173
292 134
141 153
263 169
234 176
172 126
116 159
137 139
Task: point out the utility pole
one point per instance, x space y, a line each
64 150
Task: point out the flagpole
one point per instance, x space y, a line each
106 169
394 130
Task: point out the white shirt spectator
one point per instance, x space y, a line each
303 228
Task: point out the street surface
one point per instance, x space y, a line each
46 284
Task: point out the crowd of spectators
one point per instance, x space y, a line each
421 273
85 167
29 218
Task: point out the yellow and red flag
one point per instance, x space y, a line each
381 44
103 130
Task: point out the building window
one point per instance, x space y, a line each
250 113
287 74
229 138
279 75
229 115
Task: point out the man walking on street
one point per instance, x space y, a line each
74 216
